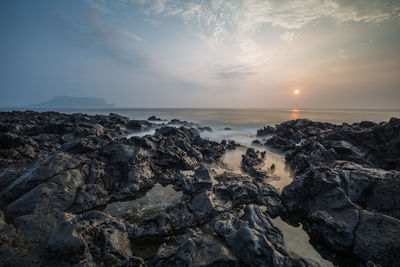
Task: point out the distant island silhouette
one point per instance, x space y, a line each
74 102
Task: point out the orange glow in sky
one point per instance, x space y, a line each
297 91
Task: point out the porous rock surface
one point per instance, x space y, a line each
347 184
59 172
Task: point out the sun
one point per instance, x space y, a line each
297 91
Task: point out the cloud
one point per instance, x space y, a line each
100 6
288 37
94 34
341 54
218 20
236 71
132 35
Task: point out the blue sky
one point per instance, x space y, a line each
173 53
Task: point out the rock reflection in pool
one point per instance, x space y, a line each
230 161
279 177
154 201
297 241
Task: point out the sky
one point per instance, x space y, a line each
202 54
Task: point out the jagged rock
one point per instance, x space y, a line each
154 118
376 238
60 174
251 160
230 144
195 249
256 143
205 129
234 189
346 178
265 131
93 237
138 125
254 239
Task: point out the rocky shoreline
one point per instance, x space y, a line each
347 185
75 190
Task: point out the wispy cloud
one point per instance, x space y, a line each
132 35
232 72
218 20
101 6
288 37
108 40
341 54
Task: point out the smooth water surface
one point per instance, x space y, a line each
155 200
239 118
297 241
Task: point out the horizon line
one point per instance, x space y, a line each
199 108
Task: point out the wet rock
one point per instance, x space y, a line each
265 131
9 175
89 196
234 189
138 125
256 143
251 160
93 237
376 238
77 191
9 140
254 239
195 249
183 123
153 118
132 262
230 144
56 194
346 180
201 180
205 129
203 205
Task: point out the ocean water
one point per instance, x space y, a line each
240 118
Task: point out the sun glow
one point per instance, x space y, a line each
296 91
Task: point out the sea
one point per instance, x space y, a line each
241 122
240 118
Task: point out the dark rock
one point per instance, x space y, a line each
59 171
205 129
203 205
154 118
230 144
195 249
138 125
10 140
346 180
183 123
265 131
103 239
254 239
251 160
376 239
256 143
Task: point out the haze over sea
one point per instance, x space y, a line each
242 118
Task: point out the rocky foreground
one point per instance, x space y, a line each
347 185
74 190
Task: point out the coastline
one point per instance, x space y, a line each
60 172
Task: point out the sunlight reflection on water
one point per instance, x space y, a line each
294 114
